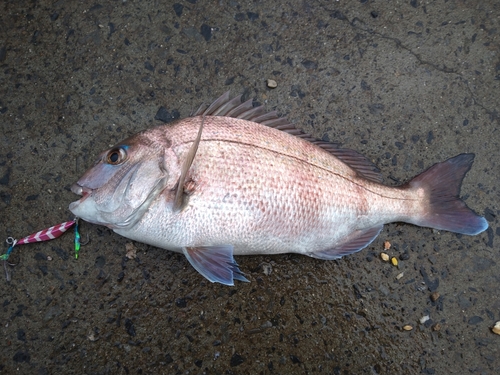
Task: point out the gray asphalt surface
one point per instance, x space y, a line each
407 84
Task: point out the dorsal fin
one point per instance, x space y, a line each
224 106
356 161
179 194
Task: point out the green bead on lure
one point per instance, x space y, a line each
77 239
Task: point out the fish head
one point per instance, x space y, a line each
122 184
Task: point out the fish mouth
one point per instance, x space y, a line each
83 209
85 192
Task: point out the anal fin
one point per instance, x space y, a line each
216 263
356 241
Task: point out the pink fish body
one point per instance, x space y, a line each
234 180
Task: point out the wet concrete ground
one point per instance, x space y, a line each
407 84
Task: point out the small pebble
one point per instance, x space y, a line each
92 337
434 296
387 245
267 269
131 250
407 327
496 328
271 83
400 275
384 257
394 261
404 256
424 319
436 327
49 257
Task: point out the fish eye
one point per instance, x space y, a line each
116 156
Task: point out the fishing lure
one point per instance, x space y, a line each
45 235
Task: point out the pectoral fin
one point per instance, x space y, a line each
179 194
356 241
216 263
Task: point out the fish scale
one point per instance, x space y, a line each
232 180
284 198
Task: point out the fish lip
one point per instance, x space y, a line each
81 190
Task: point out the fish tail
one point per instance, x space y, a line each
444 209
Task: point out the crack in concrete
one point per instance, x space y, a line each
357 23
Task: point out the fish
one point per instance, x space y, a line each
234 179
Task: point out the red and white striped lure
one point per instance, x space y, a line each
48 234
43 235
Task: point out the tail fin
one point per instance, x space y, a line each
446 210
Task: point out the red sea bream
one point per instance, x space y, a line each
235 180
